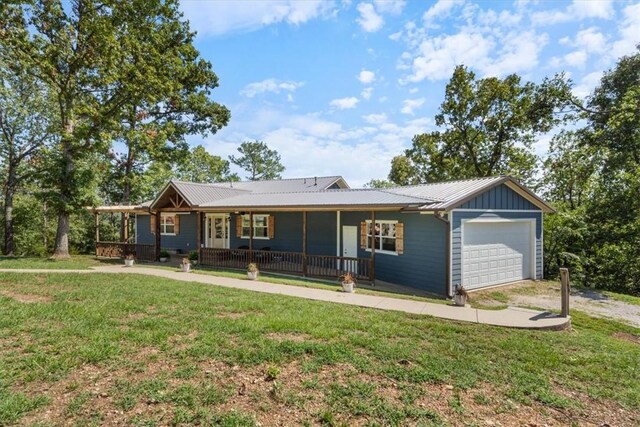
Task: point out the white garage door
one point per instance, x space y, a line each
495 252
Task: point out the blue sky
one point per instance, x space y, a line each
341 87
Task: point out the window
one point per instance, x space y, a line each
168 224
385 236
260 226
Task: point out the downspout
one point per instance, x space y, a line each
438 215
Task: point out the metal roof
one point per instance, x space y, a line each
288 185
346 197
199 193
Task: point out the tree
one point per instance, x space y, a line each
25 120
402 171
488 127
569 170
204 167
257 159
379 183
96 58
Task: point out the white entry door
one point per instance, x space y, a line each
350 247
497 252
217 231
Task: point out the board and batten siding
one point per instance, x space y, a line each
185 241
423 263
497 203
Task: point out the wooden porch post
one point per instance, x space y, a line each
199 235
372 273
124 227
251 236
97 220
158 239
304 243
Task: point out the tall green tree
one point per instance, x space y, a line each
204 167
259 160
97 58
26 116
488 127
613 128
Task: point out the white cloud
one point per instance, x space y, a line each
439 10
369 20
366 77
344 103
393 7
518 52
375 118
587 84
269 85
591 40
414 90
576 59
576 11
366 93
628 31
437 57
409 105
221 17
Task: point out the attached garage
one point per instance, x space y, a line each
497 251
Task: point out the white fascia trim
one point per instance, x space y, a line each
498 210
451 253
338 233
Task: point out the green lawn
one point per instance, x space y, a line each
76 262
85 349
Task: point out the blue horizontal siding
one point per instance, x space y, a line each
500 197
423 263
186 241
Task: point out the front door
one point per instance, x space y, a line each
350 248
218 231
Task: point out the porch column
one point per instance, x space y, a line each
372 273
124 227
199 235
304 243
97 222
251 236
158 238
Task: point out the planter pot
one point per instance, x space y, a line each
460 300
348 287
252 275
164 259
128 263
185 267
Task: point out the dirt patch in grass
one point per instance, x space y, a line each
27 298
627 337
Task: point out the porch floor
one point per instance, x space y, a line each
510 317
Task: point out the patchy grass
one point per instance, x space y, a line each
76 262
629 299
141 350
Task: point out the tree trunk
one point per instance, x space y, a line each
61 250
62 237
8 222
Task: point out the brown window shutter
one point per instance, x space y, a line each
176 221
400 238
238 225
363 235
152 223
272 226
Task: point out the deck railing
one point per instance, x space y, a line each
287 262
121 249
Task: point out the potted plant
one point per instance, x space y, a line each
185 265
193 257
460 296
164 256
128 260
252 271
348 282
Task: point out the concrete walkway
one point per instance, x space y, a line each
511 317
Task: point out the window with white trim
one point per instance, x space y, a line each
168 225
385 236
260 226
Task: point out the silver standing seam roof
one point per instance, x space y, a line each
314 193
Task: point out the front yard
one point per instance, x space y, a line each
105 349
